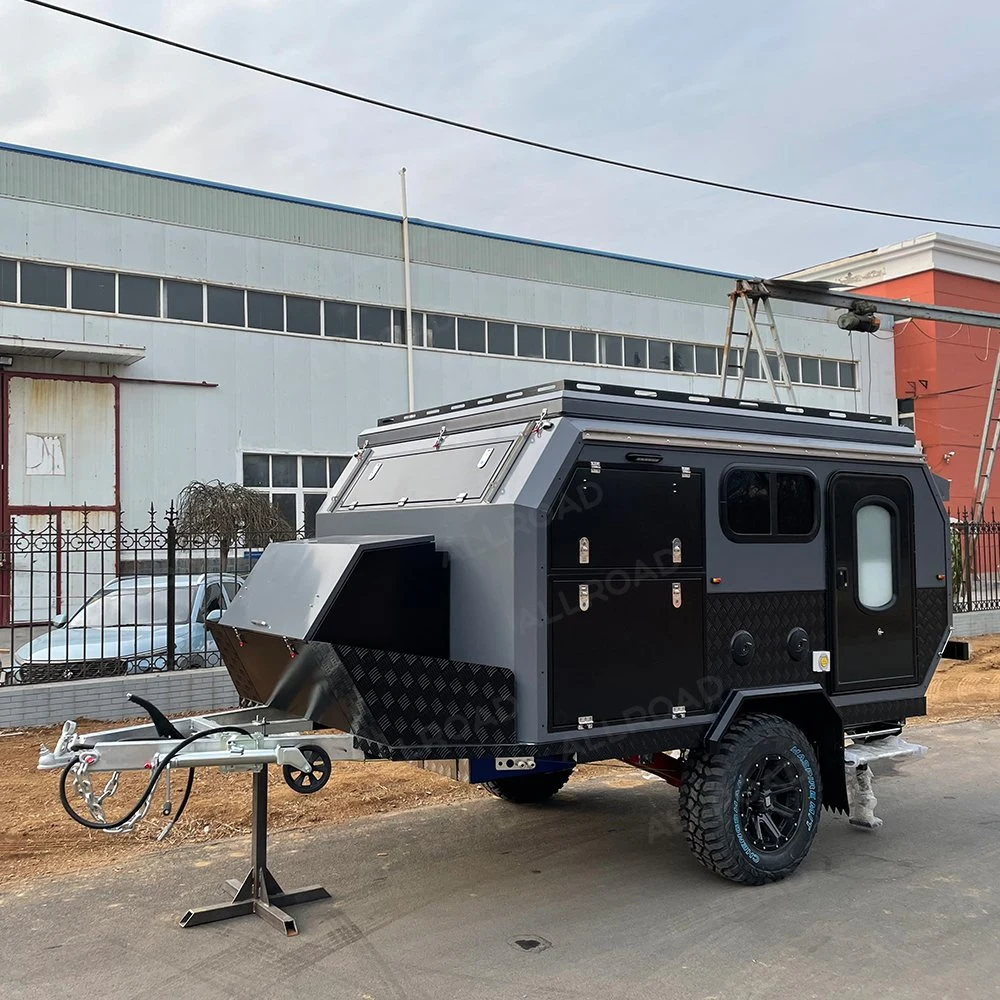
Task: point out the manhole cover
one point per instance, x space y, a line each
529 943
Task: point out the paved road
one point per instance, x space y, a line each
431 904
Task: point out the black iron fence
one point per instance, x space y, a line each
975 563
82 596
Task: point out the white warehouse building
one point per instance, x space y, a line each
158 329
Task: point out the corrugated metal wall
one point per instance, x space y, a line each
123 192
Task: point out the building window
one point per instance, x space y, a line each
683 358
557 345
636 352
256 470
93 290
501 338
611 350
297 485
341 320
810 370
8 280
375 324
441 332
659 355
585 347
184 300
399 327
265 311
43 285
302 315
138 295
876 584
828 373
226 306
471 335
761 505
706 360
530 341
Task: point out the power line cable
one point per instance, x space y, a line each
495 134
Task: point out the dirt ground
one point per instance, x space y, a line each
37 839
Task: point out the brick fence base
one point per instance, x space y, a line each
175 692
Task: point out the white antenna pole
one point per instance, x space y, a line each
410 400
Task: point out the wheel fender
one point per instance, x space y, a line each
807 706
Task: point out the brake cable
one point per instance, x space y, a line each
150 787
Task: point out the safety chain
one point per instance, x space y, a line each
94 802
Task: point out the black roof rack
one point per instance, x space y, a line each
635 393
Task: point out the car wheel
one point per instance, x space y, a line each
750 809
528 789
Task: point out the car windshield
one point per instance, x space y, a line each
134 606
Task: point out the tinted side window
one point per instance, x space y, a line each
748 502
760 505
796 503
43 285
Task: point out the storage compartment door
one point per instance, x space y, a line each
871 538
623 650
634 517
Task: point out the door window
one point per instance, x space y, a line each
876 583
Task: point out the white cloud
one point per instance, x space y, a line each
884 104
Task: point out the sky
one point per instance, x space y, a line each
891 104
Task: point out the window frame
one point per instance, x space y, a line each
772 472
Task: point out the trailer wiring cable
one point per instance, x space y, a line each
494 133
150 787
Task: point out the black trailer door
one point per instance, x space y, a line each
626 595
871 564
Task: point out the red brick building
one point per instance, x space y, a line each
947 370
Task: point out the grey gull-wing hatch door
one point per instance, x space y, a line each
385 592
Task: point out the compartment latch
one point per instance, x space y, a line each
584 596
584 550
675 593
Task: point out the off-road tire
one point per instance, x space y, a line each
527 789
713 798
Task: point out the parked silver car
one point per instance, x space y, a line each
122 629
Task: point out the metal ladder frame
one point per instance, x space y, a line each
752 298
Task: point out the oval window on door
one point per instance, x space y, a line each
876 586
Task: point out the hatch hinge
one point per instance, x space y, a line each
685 472
595 467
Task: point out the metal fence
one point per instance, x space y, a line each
975 563
81 596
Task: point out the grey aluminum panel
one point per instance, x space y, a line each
293 583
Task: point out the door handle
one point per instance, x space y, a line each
843 578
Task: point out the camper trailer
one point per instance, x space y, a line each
746 599
716 590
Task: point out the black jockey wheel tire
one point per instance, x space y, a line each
528 789
750 809
307 782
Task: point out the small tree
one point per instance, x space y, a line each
230 513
